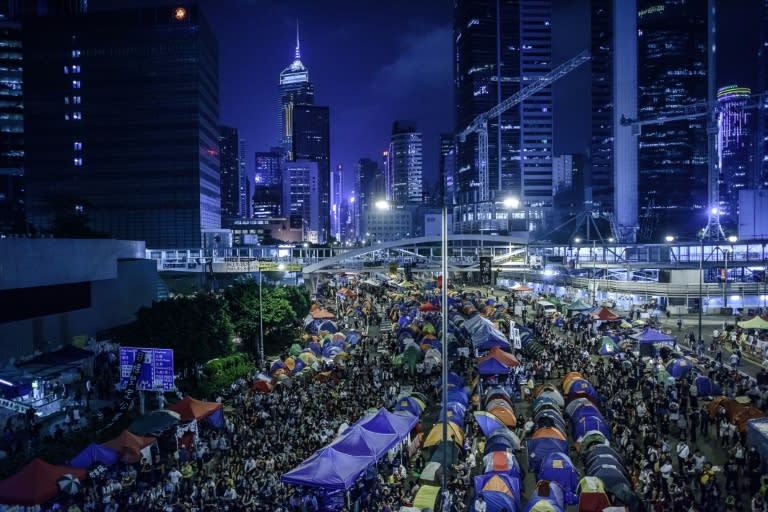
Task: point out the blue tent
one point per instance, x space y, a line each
354 337
456 413
458 395
512 482
539 450
94 453
492 367
591 423
546 491
599 450
326 325
586 409
582 386
276 365
706 387
328 468
558 467
408 404
385 422
679 367
610 474
496 501
314 347
549 418
356 441
455 379
652 336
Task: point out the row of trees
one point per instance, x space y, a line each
203 327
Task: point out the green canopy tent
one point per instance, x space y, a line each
576 306
756 322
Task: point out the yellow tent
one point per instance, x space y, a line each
455 434
754 323
426 497
495 483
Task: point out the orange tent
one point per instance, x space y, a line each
128 446
505 415
321 314
505 358
744 414
495 483
191 409
548 433
729 404
35 483
570 376
543 387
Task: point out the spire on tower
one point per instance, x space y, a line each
298 46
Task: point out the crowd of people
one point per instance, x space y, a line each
659 426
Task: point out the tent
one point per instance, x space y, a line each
557 467
35 483
706 387
455 434
587 424
504 412
94 453
502 356
395 425
608 347
510 439
649 335
154 422
411 405
502 462
494 393
539 449
488 422
592 496
577 306
582 387
328 468
491 366
553 395
679 367
484 333
498 482
191 409
755 322
426 497
546 498
604 314
432 473
129 447
598 450
496 501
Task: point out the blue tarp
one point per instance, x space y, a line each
94 453
385 422
492 367
216 418
559 468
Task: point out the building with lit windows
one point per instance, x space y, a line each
11 120
735 149
267 191
231 172
301 197
393 223
294 89
311 142
121 121
405 163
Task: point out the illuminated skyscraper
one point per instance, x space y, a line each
295 89
267 191
735 149
11 119
337 199
230 171
405 163
311 141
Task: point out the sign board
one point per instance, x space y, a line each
13 406
156 371
485 270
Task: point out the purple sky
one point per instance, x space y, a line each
371 63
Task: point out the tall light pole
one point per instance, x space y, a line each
732 239
260 347
701 281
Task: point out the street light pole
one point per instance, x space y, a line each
701 282
260 347
594 279
725 279
444 376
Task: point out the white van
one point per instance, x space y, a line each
546 307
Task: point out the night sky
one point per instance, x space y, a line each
374 62
371 63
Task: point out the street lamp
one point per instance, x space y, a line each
732 239
260 347
701 281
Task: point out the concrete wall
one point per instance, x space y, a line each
113 302
29 262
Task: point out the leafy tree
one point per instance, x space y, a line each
243 303
196 328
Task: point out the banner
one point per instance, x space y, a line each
156 373
485 271
133 379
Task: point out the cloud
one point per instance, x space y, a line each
423 65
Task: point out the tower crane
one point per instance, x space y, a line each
713 230
479 124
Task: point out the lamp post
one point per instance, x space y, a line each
701 281
594 278
260 347
732 239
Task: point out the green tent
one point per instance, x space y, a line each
411 356
608 347
295 349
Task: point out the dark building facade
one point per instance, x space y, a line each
122 123
294 89
406 163
11 120
267 190
598 189
230 171
673 156
370 184
311 141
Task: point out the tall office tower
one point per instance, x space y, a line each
294 89
268 185
405 162
562 173
337 198
761 135
301 196
447 143
11 120
735 150
598 193
121 121
370 179
229 169
500 45
311 141
387 173
245 182
672 74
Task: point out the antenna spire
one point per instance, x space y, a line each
298 46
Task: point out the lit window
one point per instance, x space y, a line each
79 208
75 53
76 100
75 84
66 117
75 69
77 146
77 115
66 100
66 70
78 162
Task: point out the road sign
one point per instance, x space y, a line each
156 372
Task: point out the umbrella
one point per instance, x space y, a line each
69 484
488 422
155 421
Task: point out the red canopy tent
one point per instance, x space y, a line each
321 314
129 446
191 409
521 288
35 483
501 356
604 314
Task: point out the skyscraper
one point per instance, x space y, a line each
337 199
230 171
370 180
405 162
121 121
11 120
294 89
301 196
311 141
672 74
267 191
445 167
499 45
245 182
598 192
735 150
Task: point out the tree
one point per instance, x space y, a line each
243 303
196 328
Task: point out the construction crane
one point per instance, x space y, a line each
713 230
479 125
